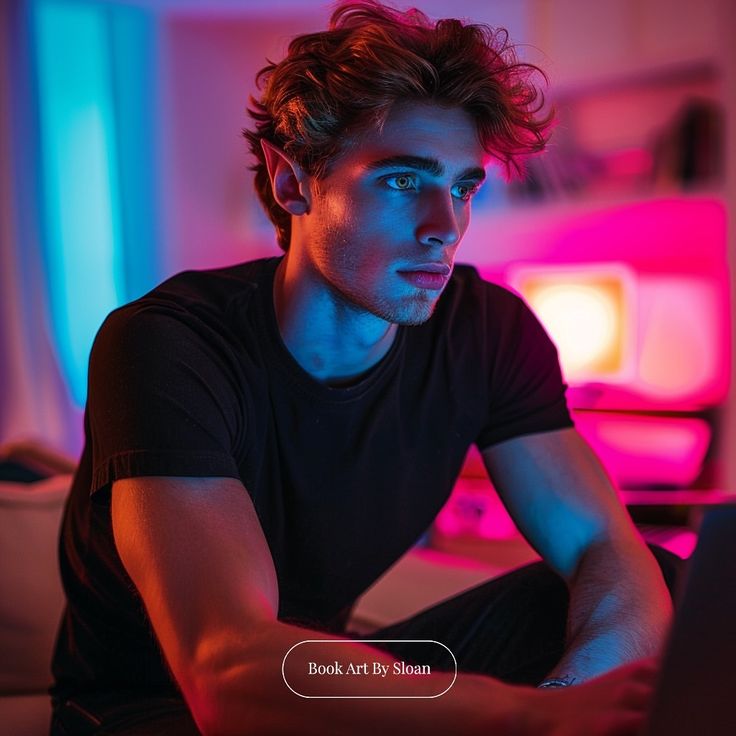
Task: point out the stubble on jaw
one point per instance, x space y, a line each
411 311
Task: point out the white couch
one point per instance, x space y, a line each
31 601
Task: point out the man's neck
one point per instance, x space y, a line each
335 342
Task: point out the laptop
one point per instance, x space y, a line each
696 690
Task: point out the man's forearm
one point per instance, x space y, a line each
240 690
620 610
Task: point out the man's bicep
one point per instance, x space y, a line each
195 549
557 493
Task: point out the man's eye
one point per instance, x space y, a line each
401 182
464 191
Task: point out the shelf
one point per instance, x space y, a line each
705 497
564 208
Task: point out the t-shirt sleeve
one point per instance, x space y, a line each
527 392
163 398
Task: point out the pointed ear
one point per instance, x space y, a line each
289 182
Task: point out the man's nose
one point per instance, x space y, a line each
438 225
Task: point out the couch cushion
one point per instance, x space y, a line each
25 715
31 597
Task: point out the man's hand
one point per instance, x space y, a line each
615 704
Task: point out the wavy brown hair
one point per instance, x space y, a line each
335 83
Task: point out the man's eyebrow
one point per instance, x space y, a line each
420 163
423 163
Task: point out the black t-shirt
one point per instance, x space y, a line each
193 379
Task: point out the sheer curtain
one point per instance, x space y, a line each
35 402
78 207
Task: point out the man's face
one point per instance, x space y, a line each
384 224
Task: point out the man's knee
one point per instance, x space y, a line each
671 565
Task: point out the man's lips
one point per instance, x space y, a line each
427 275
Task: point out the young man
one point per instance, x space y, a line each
264 440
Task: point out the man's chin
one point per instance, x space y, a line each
415 313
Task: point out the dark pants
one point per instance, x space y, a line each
511 628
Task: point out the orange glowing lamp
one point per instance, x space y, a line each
588 312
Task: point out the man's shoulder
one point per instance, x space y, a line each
474 310
200 291
211 301
215 287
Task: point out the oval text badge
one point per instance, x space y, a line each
321 668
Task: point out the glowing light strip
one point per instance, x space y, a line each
80 190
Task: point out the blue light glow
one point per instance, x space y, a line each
79 178
132 34
94 69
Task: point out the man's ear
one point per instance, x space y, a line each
289 182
